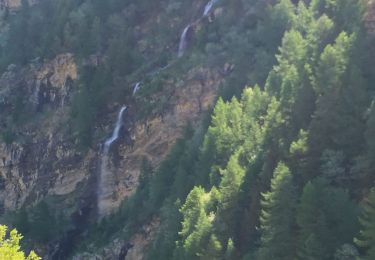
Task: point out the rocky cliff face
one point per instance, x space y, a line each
153 138
41 160
44 161
38 155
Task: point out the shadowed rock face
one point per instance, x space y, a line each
48 84
43 160
154 137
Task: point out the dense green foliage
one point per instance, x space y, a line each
279 169
366 238
278 210
39 224
327 220
10 246
91 30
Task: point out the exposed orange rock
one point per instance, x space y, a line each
154 138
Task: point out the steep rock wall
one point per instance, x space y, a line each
153 138
42 160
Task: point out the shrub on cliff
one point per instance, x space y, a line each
10 246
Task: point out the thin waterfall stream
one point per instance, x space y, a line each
183 38
183 42
136 87
106 177
208 7
106 180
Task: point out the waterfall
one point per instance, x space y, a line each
107 178
36 94
183 41
137 86
116 131
208 7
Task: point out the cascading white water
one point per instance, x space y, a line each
137 86
208 7
116 131
183 41
107 178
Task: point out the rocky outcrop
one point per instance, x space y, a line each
153 138
52 83
13 187
188 100
42 160
135 248
40 84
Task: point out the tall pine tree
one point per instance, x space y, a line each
278 207
366 239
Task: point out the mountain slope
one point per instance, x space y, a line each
181 177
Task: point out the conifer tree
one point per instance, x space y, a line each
366 238
231 181
230 251
366 163
196 226
214 249
326 218
278 206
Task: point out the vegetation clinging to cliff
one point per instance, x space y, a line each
282 167
304 133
